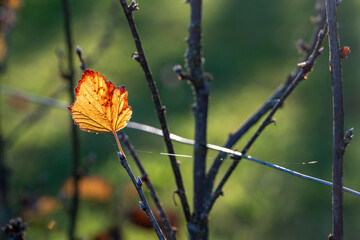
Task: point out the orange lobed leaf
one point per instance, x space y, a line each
100 106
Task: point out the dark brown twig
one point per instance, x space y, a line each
69 76
338 121
160 109
145 178
270 103
306 67
143 203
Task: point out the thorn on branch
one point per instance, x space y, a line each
173 197
163 109
331 237
273 120
180 74
135 56
142 206
133 6
348 136
139 182
79 53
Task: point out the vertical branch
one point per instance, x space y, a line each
160 109
69 76
338 121
145 177
201 87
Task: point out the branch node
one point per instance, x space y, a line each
348 136
122 159
139 182
272 120
163 109
142 206
136 56
133 6
79 53
173 197
331 237
179 72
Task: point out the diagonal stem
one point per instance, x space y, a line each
138 185
145 177
269 104
160 109
305 70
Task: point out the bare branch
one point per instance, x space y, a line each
143 203
74 131
270 103
145 178
304 71
160 109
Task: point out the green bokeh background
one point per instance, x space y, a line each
249 49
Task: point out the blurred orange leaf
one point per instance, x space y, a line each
90 188
100 106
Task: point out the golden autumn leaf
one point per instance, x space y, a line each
100 106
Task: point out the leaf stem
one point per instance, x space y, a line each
118 144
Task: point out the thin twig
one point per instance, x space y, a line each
338 121
305 70
74 131
143 203
160 109
138 185
145 178
270 103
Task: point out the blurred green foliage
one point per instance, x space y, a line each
249 49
